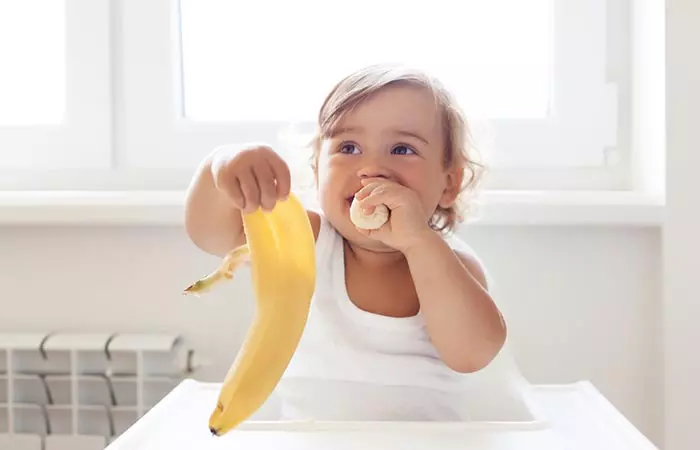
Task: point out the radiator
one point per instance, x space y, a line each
82 390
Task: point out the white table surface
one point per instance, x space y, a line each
569 417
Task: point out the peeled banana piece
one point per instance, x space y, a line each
372 221
281 252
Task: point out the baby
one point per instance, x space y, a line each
399 316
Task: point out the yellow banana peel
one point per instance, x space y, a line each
281 250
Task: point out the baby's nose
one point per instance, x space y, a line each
374 171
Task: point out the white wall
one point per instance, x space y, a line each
584 303
680 237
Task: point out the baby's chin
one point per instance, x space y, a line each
373 247
358 240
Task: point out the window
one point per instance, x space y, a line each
135 94
54 88
499 64
33 75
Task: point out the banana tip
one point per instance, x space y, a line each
213 431
190 291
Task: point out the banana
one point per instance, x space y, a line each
368 221
281 251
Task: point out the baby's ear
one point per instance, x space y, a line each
453 185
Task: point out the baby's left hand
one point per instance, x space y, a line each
407 222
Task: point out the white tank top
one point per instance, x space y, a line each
355 365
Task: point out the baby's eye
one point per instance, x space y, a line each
348 148
403 150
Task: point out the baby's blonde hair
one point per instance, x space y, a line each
459 151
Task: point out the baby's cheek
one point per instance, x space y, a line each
328 168
325 178
430 195
327 192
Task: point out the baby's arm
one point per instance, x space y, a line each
212 222
464 324
229 179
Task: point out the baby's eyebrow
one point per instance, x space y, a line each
411 134
335 131
398 132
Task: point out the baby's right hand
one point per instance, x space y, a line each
255 176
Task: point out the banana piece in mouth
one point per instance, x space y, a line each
371 221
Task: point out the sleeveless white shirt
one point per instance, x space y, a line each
355 365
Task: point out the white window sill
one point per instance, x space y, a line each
166 208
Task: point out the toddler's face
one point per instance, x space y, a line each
397 134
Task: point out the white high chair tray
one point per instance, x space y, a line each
569 417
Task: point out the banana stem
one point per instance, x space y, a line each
233 259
